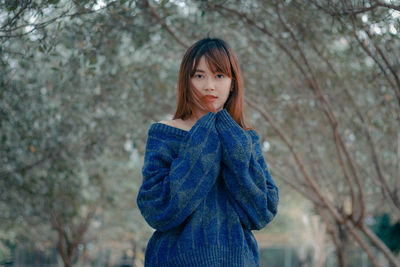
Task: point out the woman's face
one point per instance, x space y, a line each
217 85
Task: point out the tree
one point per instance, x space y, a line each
82 81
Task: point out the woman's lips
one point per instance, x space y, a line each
210 98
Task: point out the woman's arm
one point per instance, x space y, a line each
173 188
253 194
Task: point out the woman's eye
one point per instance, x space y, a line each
199 76
220 76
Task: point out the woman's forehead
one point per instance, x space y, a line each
207 63
203 64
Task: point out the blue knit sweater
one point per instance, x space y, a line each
203 191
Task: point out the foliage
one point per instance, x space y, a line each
81 81
388 232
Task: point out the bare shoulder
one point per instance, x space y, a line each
170 123
177 123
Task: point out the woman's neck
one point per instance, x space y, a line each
197 114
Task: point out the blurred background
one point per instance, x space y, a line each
81 82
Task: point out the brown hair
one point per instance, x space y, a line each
220 58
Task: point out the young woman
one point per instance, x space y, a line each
206 185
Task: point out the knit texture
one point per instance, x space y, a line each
203 192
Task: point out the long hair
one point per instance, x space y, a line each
220 58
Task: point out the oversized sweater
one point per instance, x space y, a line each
204 191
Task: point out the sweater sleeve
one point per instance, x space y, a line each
173 188
253 194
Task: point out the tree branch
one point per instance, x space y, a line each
9 22
297 158
165 26
36 26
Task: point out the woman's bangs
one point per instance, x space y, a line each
218 62
216 58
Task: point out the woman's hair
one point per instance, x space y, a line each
220 58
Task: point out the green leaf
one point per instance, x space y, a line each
12 8
91 71
92 60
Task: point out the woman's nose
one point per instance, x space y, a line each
210 85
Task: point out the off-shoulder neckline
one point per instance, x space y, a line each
168 128
174 127
179 131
